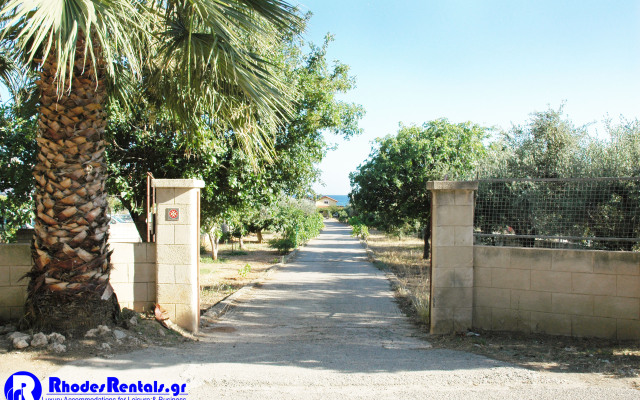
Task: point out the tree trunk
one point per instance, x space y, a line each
140 221
241 245
259 234
427 236
69 290
214 246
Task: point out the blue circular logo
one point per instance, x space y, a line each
23 385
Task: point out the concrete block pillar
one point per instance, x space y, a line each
451 256
178 249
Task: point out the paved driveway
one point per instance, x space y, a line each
326 327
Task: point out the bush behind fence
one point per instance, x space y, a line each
590 213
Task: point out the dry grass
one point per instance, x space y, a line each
234 268
404 258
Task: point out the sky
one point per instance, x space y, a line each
490 62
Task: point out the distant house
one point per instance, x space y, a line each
326 201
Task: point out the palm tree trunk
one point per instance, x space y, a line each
69 290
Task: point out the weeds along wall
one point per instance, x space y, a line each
133 276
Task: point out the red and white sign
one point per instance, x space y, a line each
173 214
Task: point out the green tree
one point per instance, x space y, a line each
190 55
615 212
550 146
17 155
251 193
618 154
389 190
236 184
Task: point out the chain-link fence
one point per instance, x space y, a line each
589 213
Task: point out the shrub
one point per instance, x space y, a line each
283 245
359 229
355 230
353 221
297 224
364 232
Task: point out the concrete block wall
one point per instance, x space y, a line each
557 291
133 276
15 261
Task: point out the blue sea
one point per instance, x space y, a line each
343 199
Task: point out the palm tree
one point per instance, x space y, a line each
192 56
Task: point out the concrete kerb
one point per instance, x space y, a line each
219 309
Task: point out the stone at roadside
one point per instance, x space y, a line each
133 321
99 331
39 340
118 334
19 340
103 329
105 346
56 338
57 348
20 344
91 333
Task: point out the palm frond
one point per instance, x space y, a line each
116 28
19 81
204 60
222 47
9 71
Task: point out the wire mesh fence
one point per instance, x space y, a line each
587 213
